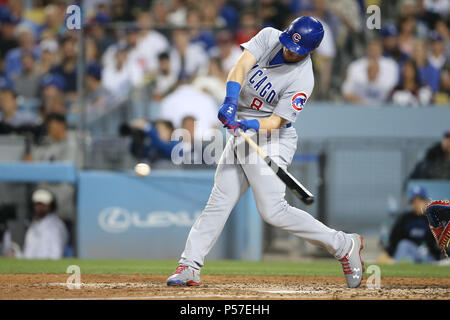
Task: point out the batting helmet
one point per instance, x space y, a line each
303 35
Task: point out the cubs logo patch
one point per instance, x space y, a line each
296 37
298 101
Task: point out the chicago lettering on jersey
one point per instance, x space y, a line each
263 87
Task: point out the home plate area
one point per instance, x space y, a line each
139 286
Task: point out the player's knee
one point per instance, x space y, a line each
273 213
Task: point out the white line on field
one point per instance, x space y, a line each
105 284
292 291
146 298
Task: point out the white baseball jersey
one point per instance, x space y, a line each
272 86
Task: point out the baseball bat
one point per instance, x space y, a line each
293 184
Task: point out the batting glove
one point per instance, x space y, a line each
228 111
244 125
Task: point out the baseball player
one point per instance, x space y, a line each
266 90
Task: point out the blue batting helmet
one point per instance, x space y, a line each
303 35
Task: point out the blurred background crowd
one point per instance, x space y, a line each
182 49
165 62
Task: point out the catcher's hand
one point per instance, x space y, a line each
438 214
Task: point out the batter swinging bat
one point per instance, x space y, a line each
293 184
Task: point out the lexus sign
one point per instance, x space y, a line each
118 219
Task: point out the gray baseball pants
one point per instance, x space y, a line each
239 169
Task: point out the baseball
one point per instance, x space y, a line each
142 169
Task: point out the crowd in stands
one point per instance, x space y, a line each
182 50
407 63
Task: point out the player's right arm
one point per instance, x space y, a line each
234 82
246 61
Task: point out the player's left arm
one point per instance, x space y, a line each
271 123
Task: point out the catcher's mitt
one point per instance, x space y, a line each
438 214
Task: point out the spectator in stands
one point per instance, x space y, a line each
120 12
160 12
442 97
135 64
389 36
380 71
54 15
188 124
440 7
214 82
349 19
47 236
49 49
11 116
17 9
177 13
159 145
60 144
197 33
410 92
150 45
98 31
26 83
109 58
191 152
47 35
411 238
274 14
436 56
68 65
227 51
425 20
428 74
52 93
164 80
8 39
55 104
102 8
442 29
97 97
187 59
321 10
248 26
228 12
13 59
120 76
323 58
407 35
367 88
92 54
210 15
436 163
187 100
347 27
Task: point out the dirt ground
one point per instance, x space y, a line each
53 286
